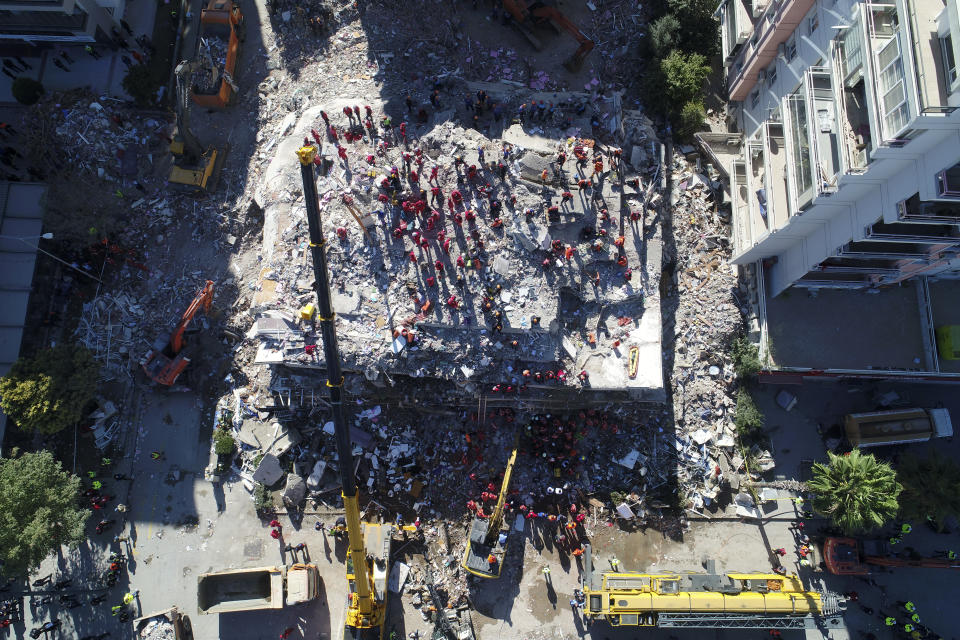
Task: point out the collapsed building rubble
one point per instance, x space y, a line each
511 281
706 315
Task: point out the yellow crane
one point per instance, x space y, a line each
368 558
484 554
707 600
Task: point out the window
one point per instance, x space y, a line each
813 22
772 74
949 63
791 49
800 136
754 99
948 182
852 58
893 95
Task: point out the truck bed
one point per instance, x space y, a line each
240 590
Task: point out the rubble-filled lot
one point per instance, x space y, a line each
513 309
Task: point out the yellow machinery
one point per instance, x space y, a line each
484 554
194 168
706 600
368 558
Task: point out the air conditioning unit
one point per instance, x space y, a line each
761 75
782 50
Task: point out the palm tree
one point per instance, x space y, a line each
931 488
856 491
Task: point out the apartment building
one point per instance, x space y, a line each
62 21
847 169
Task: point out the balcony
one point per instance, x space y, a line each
856 141
736 20
913 209
904 65
773 29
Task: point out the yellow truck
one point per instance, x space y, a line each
259 588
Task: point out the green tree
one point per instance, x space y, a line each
931 488
683 77
26 90
51 391
747 417
699 31
691 118
142 82
856 491
38 511
664 34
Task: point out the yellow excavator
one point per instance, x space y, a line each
368 557
193 167
487 542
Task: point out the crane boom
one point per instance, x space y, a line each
366 608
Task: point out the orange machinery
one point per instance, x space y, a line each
221 18
850 557
167 359
540 13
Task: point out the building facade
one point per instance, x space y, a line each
65 21
848 112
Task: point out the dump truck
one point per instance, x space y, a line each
218 47
898 426
259 588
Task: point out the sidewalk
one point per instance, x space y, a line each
102 76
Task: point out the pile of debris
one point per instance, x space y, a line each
213 52
95 135
494 263
706 317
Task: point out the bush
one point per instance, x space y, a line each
26 90
262 498
51 391
617 497
663 36
223 442
691 118
746 358
142 83
747 417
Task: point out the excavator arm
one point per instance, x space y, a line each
203 300
191 145
538 11
586 44
496 518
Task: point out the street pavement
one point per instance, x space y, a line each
180 525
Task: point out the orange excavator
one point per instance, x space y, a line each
850 557
539 13
167 358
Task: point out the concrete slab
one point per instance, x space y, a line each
843 329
